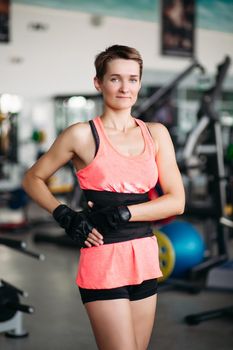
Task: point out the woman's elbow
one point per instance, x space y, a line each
179 202
180 206
180 210
27 179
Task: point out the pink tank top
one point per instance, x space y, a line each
123 263
114 172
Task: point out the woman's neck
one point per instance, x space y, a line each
118 120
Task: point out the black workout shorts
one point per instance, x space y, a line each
131 292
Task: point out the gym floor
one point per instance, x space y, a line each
60 321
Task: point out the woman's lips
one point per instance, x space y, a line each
123 97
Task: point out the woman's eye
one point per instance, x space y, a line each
133 80
114 79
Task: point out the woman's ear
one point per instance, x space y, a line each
97 84
140 85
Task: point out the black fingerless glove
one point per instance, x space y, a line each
109 218
77 225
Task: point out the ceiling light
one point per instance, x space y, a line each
38 26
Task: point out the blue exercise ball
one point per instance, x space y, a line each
188 246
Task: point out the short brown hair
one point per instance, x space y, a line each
114 52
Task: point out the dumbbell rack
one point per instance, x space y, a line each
14 327
11 310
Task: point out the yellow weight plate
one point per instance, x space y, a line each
166 255
228 210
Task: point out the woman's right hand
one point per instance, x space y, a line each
78 226
94 239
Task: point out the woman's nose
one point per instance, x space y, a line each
124 87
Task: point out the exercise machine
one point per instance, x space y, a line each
210 156
204 152
11 309
195 319
159 97
12 196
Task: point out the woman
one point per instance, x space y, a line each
118 160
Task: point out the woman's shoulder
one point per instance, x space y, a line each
80 129
159 132
158 129
77 134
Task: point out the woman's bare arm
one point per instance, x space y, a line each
173 199
75 142
62 150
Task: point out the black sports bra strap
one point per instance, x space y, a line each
149 130
95 135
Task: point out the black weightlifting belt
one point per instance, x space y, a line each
130 230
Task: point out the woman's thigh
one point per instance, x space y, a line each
112 324
143 314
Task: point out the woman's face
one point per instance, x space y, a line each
121 84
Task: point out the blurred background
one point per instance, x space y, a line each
47 50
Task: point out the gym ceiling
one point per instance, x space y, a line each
211 14
29 57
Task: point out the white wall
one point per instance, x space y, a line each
60 61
